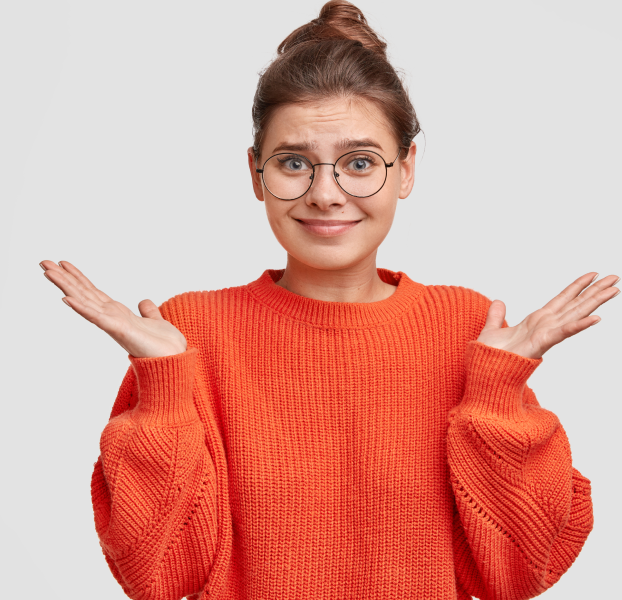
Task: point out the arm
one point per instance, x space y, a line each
154 484
523 511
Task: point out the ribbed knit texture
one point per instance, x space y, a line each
302 449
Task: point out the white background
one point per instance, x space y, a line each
124 129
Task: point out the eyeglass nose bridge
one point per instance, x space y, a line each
333 165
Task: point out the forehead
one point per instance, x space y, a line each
325 124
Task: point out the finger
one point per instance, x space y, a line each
62 281
583 309
558 303
60 276
83 279
604 284
495 316
594 288
90 313
149 310
88 303
559 334
570 329
47 264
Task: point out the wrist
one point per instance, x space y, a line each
495 381
165 388
160 352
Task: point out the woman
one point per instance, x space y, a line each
334 429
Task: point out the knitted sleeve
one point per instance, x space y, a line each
523 512
154 486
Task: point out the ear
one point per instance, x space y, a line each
256 177
407 170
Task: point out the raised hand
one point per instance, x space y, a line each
564 316
147 336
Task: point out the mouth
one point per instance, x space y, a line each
326 227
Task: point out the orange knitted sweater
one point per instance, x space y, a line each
304 449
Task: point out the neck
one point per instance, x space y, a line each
356 283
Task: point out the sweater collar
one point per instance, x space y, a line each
341 315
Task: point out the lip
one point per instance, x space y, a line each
326 227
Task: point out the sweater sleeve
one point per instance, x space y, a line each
154 486
523 512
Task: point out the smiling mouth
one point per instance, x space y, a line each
326 227
325 222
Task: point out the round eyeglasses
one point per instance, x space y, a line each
361 173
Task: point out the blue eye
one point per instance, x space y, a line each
293 163
360 164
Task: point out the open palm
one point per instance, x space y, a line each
569 313
149 335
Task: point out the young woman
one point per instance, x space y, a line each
335 430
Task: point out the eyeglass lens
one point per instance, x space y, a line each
360 173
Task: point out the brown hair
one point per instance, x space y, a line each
337 54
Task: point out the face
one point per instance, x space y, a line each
327 228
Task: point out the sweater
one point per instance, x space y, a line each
304 449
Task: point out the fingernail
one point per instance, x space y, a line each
616 281
44 267
595 323
595 276
60 264
67 303
616 294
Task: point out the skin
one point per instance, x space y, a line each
337 268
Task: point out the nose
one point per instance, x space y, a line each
324 192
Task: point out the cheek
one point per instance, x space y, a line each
381 207
277 213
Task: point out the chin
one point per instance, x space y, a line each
327 258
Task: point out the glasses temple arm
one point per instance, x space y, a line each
398 154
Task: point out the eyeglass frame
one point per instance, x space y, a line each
335 174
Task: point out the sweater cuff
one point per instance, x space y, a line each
165 388
495 381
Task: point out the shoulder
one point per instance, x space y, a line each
461 307
197 306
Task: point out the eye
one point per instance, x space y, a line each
293 164
360 164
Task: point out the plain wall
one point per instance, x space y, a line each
123 136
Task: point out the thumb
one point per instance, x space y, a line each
495 316
149 310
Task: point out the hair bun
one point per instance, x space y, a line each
338 20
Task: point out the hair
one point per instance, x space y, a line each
337 55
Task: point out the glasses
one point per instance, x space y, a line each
361 174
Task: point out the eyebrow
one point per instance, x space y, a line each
345 144
295 147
